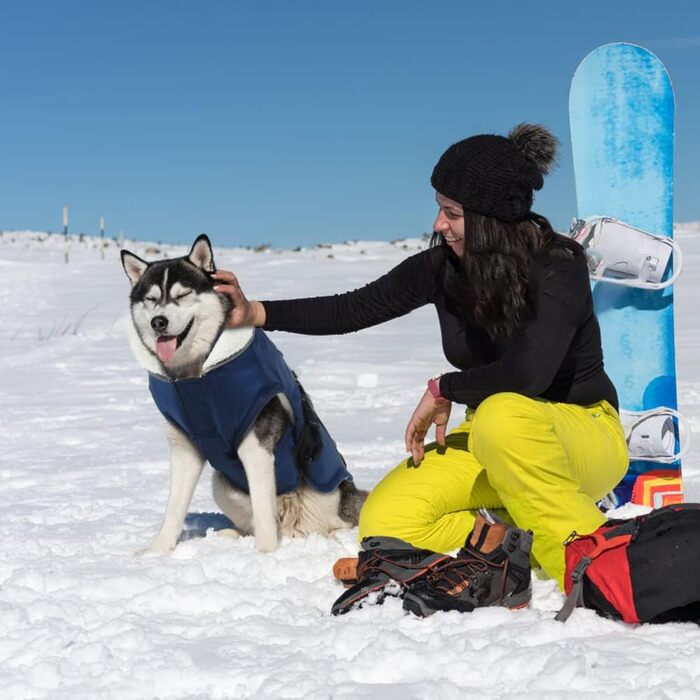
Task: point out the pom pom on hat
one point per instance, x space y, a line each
536 143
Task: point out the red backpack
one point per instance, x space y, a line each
646 569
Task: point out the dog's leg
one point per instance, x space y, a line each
186 464
234 503
259 465
257 453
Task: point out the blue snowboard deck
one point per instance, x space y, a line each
621 110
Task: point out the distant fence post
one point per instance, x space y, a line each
65 232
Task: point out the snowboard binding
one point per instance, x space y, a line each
658 435
622 254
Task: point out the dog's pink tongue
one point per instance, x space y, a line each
166 347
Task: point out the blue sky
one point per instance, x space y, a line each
300 121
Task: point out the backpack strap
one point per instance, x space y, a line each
575 597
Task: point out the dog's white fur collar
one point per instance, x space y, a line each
229 344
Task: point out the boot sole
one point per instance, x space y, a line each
419 607
360 598
416 606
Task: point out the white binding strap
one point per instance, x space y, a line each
621 254
652 435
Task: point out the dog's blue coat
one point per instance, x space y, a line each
217 409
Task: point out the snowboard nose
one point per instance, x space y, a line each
159 323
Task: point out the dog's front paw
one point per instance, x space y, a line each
266 544
228 532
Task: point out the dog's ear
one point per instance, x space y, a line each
134 266
201 254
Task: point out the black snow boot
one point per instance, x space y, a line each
493 568
386 566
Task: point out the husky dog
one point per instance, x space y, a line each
228 397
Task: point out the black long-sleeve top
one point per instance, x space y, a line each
558 356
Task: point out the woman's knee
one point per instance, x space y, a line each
371 516
498 419
394 514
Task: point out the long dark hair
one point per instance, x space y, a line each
494 282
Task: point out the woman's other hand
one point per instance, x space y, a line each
428 412
244 312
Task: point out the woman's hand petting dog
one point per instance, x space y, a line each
244 312
428 412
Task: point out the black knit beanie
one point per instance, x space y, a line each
494 175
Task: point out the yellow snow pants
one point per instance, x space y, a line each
544 463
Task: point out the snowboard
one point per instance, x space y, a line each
621 111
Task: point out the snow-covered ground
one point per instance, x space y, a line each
84 476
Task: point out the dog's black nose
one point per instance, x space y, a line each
159 323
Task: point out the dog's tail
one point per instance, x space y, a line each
351 501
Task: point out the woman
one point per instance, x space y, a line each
542 438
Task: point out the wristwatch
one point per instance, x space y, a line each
434 387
